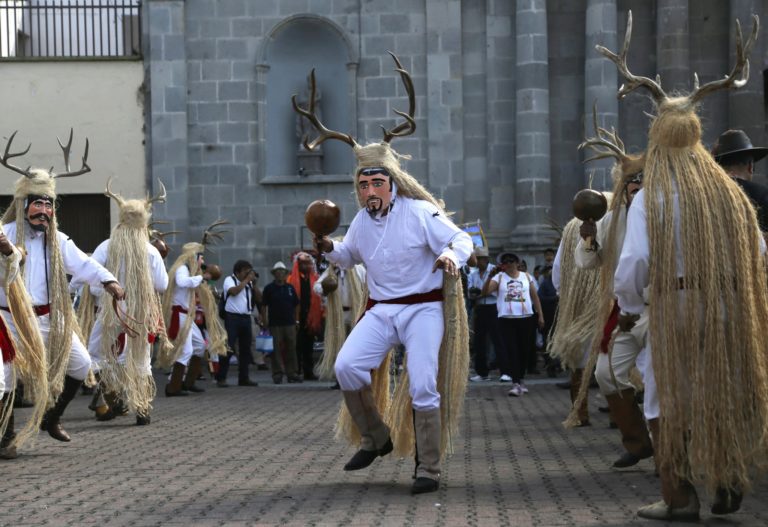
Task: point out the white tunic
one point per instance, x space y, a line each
589 259
400 249
184 282
76 263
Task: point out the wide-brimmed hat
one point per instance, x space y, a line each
279 266
502 254
481 252
736 142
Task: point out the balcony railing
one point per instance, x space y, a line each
74 29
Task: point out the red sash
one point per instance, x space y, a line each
6 342
173 330
436 295
610 325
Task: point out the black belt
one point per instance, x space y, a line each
237 314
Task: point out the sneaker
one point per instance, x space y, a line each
523 387
515 391
505 378
478 378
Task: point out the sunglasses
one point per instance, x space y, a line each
372 171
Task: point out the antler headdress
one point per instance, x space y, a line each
135 212
737 77
37 181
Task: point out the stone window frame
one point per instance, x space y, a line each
262 75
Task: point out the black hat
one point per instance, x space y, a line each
503 254
736 142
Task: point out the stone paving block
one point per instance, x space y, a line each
275 462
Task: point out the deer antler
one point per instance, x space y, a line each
6 156
161 197
154 232
84 169
111 194
325 133
633 81
740 69
409 126
211 235
604 144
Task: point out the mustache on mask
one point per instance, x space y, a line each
41 216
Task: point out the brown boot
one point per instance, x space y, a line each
427 432
7 448
680 503
175 386
374 434
51 420
575 386
193 372
634 434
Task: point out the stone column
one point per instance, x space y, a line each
444 102
672 45
532 170
746 109
476 186
500 119
600 85
167 115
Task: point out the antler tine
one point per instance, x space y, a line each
604 144
409 126
210 235
111 194
739 75
7 155
633 81
161 197
325 133
66 149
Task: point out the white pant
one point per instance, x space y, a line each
2 377
94 349
627 347
417 326
79 360
193 345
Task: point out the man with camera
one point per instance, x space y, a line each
241 295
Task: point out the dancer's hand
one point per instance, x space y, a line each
323 244
114 289
6 247
447 265
627 321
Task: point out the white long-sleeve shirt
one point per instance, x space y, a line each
556 265
156 269
400 249
632 273
589 259
76 263
184 282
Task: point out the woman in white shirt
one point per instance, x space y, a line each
517 303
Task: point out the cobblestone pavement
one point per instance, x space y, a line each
266 456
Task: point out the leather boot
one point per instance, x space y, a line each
575 386
680 503
727 501
51 420
374 434
7 448
175 386
427 431
193 372
634 434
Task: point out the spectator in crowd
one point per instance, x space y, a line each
280 313
515 302
484 315
241 295
548 298
310 324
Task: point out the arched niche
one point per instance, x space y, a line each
290 51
